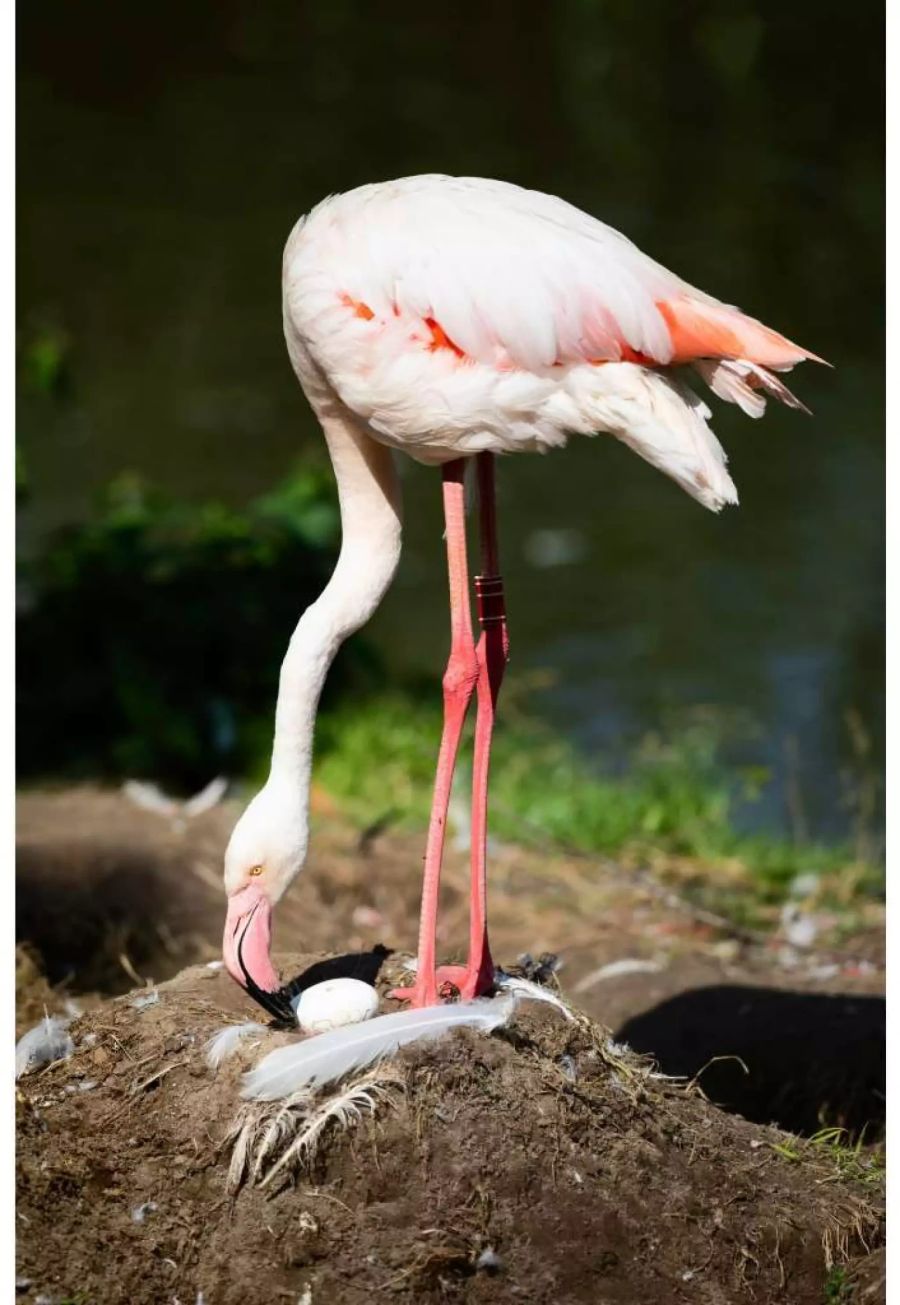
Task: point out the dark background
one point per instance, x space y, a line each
166 150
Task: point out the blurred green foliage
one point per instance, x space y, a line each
150 638
150 641
45 359
675 797
21 476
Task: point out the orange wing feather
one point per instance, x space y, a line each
703 330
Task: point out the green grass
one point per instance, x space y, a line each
837 1286
675 798
848 1158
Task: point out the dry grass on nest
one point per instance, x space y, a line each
34 994
273 1138
858 1225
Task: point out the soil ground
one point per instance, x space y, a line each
538 1164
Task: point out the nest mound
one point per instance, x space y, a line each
542 1163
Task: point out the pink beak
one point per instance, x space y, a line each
245 946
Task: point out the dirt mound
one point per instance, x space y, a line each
541 1164
107 891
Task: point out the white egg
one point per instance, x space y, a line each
335 1002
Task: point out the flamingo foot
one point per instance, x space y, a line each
451 983
466 981
419 995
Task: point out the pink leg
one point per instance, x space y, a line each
460 678
493 653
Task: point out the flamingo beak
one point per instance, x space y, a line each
245 948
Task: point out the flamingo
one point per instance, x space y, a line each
454 319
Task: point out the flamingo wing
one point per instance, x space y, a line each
455 315
515 278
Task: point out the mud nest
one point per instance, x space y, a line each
543 1163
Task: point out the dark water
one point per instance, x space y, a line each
166 150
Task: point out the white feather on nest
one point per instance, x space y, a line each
330 1056
225 1043
527 988
45 1043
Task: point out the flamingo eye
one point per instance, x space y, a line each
255 870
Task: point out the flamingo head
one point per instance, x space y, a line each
266 850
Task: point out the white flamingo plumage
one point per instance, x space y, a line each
452 318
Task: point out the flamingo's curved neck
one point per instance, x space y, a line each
369 494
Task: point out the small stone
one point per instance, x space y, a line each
178 1042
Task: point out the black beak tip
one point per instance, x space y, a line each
277 1004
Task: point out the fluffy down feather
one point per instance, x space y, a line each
45 1043
222 1045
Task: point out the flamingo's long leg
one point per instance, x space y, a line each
460 679
492 653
